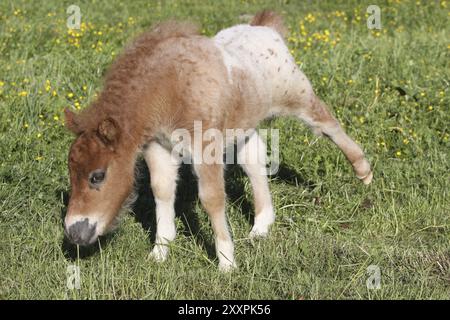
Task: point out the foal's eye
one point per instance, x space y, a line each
96 177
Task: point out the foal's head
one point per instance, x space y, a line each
101 171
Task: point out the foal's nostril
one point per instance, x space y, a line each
82 232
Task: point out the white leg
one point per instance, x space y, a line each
225 252
163 175
252 157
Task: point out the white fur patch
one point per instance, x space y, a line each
165 228
264 56
262 223
93 219
225 253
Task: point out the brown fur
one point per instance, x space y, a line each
149 89
125 82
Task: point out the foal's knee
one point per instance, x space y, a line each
212 196
162 189
211 187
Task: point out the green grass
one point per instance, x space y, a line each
390 90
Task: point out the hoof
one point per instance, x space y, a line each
227 266
159 253
258 232
367 179
263 221
362 171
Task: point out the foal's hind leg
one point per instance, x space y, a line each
317 116
211 190
163 174
252 157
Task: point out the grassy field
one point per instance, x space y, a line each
389 88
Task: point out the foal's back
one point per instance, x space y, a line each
262 54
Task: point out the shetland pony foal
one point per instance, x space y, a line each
167 79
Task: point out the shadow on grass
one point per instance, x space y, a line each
186 198
143 208
288 175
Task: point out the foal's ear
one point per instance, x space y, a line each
71 121
109 132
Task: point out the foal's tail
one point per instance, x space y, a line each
270 19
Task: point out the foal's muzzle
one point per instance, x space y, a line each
82 232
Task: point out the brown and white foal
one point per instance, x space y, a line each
167 79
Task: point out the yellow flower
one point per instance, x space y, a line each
23 94
39 135
2 83
310 18
54 93
39 158
47 85
55 117
398 153
84 88
430 108
70 95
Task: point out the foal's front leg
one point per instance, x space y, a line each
211 191
163 175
